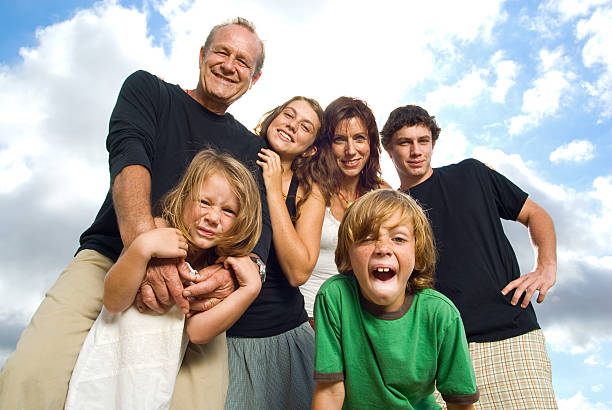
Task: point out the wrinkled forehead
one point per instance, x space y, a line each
238 38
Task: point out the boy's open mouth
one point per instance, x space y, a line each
383 274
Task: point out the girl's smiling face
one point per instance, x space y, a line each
294 129
212 212
384 261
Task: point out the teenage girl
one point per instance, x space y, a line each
271 347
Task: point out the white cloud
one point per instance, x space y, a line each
461 94
569 9
596 55
580 402
575 151
506 71
591 360
544 98
597 388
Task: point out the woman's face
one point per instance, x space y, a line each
294 129
351 146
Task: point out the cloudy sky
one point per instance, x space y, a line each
525 86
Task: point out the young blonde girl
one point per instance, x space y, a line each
130 360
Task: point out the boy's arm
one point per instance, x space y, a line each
328 395
542 234
204 326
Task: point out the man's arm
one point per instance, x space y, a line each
542 234
131 192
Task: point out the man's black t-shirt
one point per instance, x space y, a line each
464 203
157 125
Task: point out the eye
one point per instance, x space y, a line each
399 239
306 127
288 114
338 140
204 203
229 211
360 138
424 141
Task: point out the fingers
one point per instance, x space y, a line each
149 300
175 287
186 272
138 302
218 285
202 305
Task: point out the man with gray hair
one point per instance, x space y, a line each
155 130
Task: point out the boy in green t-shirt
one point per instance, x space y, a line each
384 338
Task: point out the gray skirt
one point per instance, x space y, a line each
271 372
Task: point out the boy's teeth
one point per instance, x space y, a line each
382 269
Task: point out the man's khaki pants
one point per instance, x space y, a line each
36 375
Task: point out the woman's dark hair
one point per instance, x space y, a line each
345 108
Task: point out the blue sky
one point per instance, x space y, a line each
525 86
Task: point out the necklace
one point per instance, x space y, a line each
348 203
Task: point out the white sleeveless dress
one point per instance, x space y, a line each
326 266
129 361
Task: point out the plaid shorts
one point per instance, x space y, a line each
513 373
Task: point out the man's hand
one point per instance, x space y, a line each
214 284
162 287
541 279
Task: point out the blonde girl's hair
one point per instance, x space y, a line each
365 218
241 238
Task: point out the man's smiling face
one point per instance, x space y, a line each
227 66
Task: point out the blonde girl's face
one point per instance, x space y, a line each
294 129
212 213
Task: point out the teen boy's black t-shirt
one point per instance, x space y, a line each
159 126
464 203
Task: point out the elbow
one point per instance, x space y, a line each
299 279
113 307
196 336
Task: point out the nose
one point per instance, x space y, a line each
382 246
350 149
292 124
415 150
212 215
228 64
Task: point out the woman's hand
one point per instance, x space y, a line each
246 272
272 171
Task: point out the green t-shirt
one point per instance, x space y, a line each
391 360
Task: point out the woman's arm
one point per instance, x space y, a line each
203 326
328 395
126 275
297 247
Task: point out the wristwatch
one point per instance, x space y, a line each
262 267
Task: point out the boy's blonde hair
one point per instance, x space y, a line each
241 238
366 216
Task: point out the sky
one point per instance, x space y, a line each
524 86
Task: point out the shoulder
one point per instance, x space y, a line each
433 300
337 285
244 133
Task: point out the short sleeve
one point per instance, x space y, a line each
455 378
509 198
133 123
329 363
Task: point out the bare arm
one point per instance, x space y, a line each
328 395
203 326
131 191
297 247
125 276
542 234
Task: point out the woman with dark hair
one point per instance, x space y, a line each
350 150
271 347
